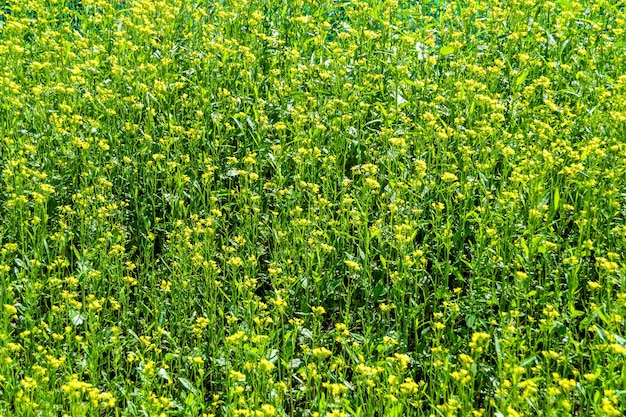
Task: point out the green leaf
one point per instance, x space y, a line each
395 411
575 313
383 261
446 50
521 78
163 374
601 333
188 385
619 339
565 4
524 246
557 199
189 401
76 318
529 360
498 347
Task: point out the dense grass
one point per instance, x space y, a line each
264 208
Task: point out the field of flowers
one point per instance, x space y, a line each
265 208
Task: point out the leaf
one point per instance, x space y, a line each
559 328
189 401
76 318
529 360
524 246
498 347
619 339
586 322
521 78
557 199
455 271
272 356
395 411
306 334
601 333
565 4
163 374
471 108
379 291
446 50
575 313
188 385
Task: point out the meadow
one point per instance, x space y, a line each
260 208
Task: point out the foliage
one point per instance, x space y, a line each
331 208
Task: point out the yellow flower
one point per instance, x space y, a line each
318 311
593 285
449 177
10 309
352 265
321 352
372 183
265 365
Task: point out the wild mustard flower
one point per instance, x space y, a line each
174 191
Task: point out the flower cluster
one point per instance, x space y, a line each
317 208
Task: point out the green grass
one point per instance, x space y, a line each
264 208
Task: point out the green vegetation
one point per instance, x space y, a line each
324 208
